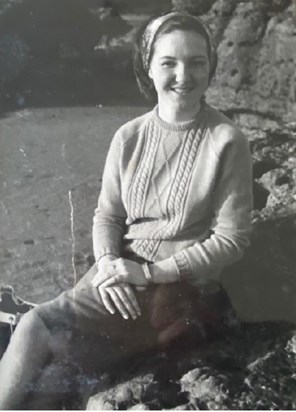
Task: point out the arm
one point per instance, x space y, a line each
231 227
108 231
110 215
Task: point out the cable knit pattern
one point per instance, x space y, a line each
139 187
182 192
180 186
177 197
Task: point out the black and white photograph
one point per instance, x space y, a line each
147 205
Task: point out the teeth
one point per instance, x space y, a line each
182 90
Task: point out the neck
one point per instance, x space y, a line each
171 114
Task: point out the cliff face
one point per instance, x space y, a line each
256 48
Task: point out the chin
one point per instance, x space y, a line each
188 101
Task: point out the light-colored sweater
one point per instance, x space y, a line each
178 195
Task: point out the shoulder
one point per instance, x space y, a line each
131 129
223 132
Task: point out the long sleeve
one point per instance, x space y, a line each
110 215
232 204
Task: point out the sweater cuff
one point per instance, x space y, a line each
103 252
165 271
183 265
197 277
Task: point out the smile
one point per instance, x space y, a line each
182 90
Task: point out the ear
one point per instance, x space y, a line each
150 74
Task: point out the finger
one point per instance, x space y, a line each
113 280
106 301
117 302
110 270
123 296
132 298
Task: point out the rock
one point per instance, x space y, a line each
124 395
260 196
269 260
256 66
262 285
274 5
140 407
262 373
274 164
202 387
219 17
196 7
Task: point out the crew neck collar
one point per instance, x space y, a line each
178 126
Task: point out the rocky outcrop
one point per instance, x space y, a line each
196 7
253 367
256 59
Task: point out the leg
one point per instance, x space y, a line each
75 325
34 344
26 354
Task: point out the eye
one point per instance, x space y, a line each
167 64
198 63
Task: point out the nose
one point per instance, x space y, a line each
182 73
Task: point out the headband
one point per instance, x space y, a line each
153 27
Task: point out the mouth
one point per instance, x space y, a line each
182 90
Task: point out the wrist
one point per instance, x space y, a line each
108 257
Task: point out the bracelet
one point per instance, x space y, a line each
147 272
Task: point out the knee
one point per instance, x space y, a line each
51 333
32 325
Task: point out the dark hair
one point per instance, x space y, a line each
181 22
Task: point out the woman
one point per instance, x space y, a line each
174 210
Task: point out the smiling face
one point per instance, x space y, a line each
179 69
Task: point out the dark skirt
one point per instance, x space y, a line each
88 340
169 313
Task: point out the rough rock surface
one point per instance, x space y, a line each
270 259
197 7
256 48
252 367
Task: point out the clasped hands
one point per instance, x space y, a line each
114 281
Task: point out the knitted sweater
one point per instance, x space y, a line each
177 195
